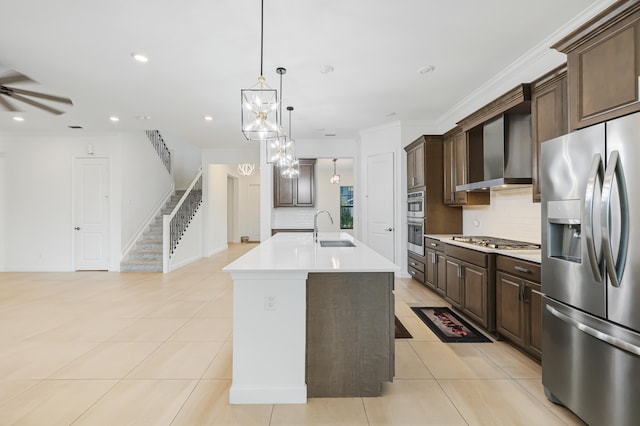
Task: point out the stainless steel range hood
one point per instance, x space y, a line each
507 153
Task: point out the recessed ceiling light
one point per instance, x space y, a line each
140 58
143 117
18 118
427 69
75 127
326 69
114 119
208 117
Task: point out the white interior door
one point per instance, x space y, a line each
91 213
254 212
380 204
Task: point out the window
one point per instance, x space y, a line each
346 207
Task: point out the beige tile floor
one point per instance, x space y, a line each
104 348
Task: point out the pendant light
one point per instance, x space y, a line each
260 102
291 166
336 177
281 148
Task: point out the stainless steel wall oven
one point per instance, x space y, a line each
415 235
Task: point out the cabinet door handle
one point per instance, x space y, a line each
434 245
523 293
413 263
412 272
523 270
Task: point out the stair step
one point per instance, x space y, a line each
140 266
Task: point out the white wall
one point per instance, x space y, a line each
186 160
247 153
146 186
38 215
217 211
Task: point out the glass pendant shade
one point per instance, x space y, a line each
281 149
336 177
291 169
259 112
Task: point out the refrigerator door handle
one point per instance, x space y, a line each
607 338
596 174
615 269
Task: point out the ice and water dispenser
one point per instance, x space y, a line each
564 227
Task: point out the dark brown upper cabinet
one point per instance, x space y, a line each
456 171
549 116
415 164
603 65
297 192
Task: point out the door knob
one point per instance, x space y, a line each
77 228
389 229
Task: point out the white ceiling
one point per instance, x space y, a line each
203 52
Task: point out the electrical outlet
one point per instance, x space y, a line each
269 303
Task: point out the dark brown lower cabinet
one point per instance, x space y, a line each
470 278
350 334
519 304
416 266
435 266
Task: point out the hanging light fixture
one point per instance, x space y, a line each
291 166
259 102
281 148
336 177
246 169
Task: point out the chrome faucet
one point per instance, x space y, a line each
315 224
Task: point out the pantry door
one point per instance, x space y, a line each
380 204
91 213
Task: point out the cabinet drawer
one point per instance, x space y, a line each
415 264
415 273
520 268
474 257
434 244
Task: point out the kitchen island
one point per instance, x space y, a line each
311 321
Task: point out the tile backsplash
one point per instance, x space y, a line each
511 215
293 218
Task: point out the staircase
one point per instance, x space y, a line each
146 256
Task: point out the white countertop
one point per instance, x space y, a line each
296 251
529 255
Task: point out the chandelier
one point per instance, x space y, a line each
246 169
336 177
260 102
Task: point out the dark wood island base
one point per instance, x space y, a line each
350 349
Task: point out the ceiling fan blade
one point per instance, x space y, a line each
37 104
7 105
42 96
14 78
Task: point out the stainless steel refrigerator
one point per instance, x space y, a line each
590 181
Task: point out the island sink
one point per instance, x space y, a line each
336 243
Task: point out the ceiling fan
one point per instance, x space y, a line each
25 96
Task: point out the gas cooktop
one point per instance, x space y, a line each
496 243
